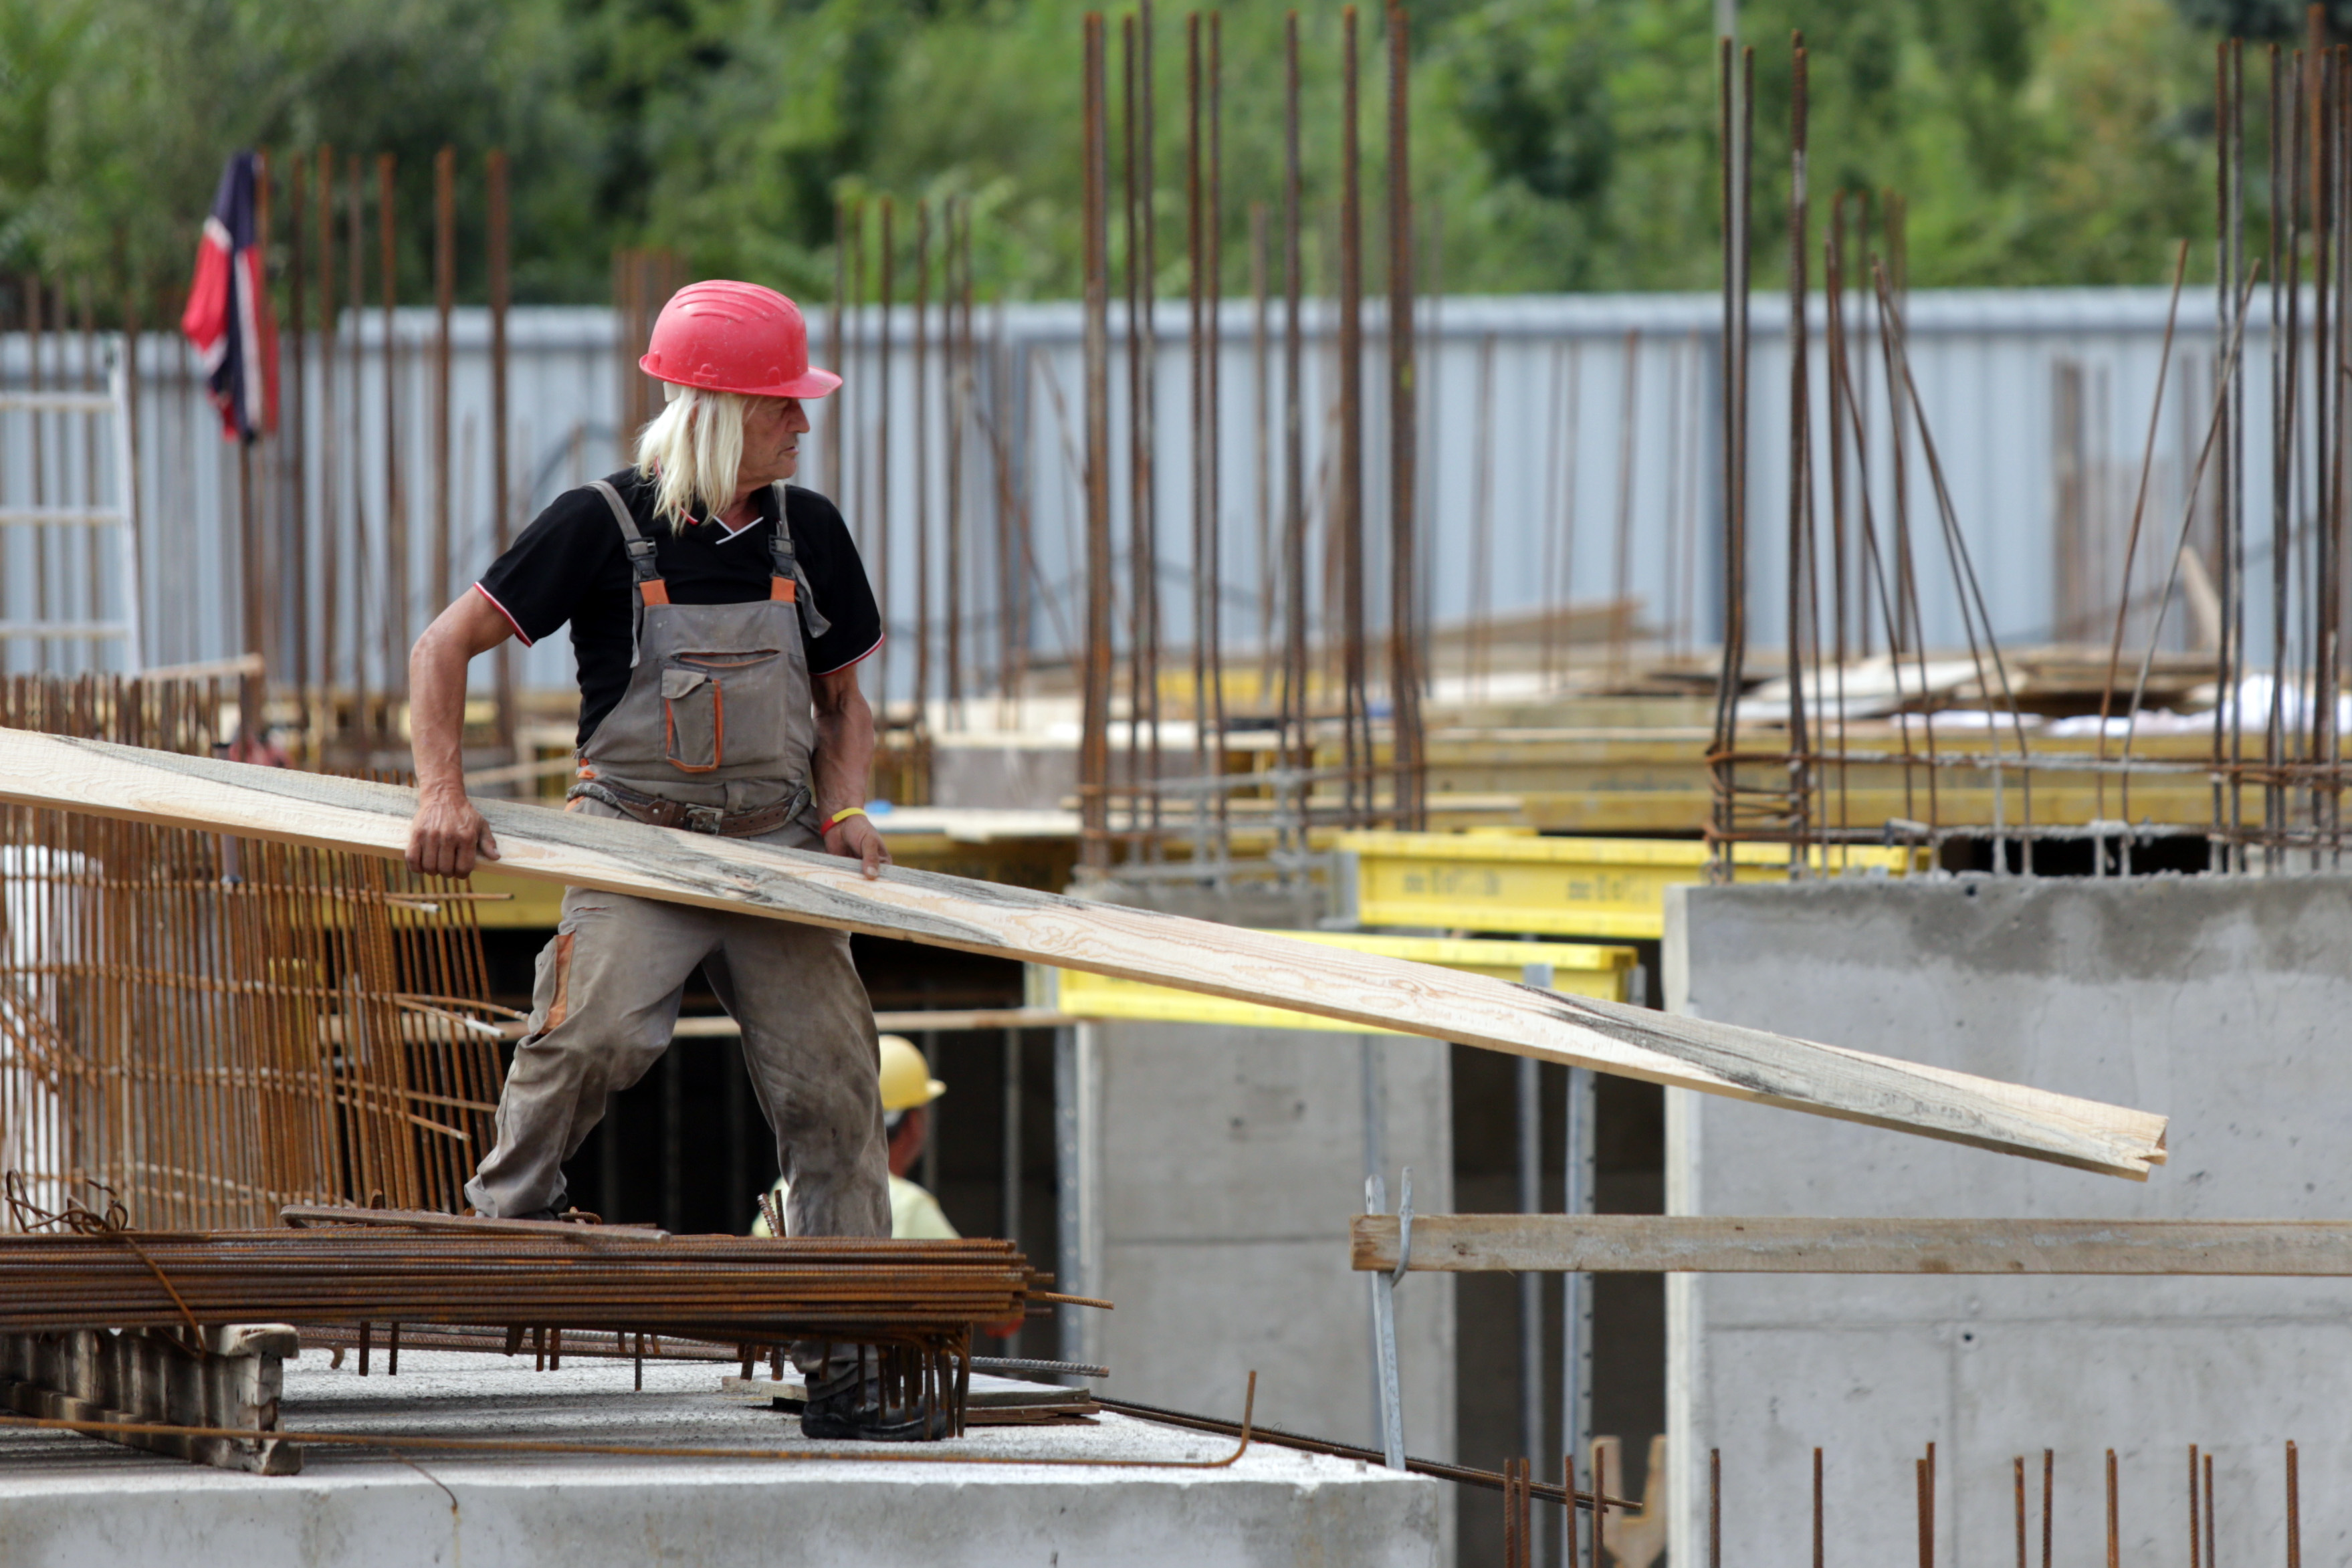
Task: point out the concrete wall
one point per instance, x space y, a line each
1220 1167
2220 1002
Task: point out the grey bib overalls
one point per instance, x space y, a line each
717 726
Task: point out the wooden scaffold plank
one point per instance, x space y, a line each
1710 1244
1372 990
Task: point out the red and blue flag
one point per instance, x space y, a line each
227 318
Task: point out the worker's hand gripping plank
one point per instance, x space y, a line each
1135 944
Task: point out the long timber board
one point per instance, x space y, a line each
1711 1244
1372 990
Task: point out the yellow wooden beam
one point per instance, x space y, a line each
1593 888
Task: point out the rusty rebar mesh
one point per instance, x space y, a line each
211 1029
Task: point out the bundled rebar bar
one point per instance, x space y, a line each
762 1290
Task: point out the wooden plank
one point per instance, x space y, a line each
1578 969
1653 1243
1361 988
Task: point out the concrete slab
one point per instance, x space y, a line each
2219 1001
988 1498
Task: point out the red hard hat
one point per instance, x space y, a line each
734 337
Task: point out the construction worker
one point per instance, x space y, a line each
717 615
907 1087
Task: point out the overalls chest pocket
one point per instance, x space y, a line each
721 710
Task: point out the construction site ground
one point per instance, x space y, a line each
969 1501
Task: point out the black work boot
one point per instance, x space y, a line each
849 1405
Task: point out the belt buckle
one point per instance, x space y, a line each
705 819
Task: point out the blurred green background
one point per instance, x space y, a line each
1558 144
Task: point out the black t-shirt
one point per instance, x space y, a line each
570 566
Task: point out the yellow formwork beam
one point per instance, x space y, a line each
1593 888
1578 969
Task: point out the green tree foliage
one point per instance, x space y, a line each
1558 143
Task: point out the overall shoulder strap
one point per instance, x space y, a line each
651 590
790 578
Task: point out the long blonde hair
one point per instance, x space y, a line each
693 450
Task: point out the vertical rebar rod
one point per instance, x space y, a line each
1145 346
1714 1508
363 568
2294 1508
1733 371
1298 749
2284 286
331 565
1621 563
267 611
1819 1544
2322 64
836 416
1197 353
2212 1561
501 478
1404 671
856 473
2017 1469
1924 1473
1800 451
1262 425
923 469
396 605
1529 1102
1356 718
883 569
1478 644
1834 327
1212 475
1094 754
298 454
955 379
2196 1533
2233 498
1139 458
445 298
2226 471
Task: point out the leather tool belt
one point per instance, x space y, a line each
658 813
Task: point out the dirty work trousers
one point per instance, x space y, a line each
607 996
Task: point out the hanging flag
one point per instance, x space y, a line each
227 318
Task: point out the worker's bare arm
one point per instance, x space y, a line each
448 834
845 759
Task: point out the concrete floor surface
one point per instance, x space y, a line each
71 1501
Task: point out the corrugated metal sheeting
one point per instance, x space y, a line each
1570 448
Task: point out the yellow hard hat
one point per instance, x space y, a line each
907 1079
